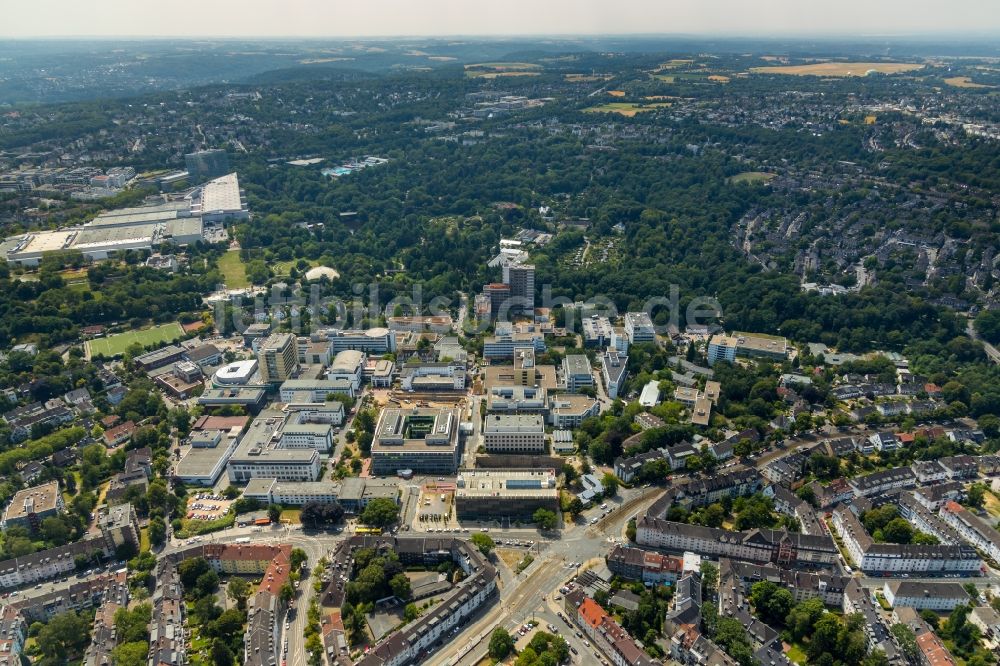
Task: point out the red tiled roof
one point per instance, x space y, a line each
591 612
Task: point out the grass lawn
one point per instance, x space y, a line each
115 345
144 539
190 527
991 503
797 654
233 271
752 177
291 516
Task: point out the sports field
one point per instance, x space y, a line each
840 68
113 345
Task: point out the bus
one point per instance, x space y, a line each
369 530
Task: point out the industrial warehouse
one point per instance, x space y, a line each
181 222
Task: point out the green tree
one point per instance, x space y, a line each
130 654
238 589
501 644
709 579
610 483
380 512
976 496
157 531
400 586
221 654
483 542
545 519
63 636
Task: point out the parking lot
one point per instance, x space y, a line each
205 506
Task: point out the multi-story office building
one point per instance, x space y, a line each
424 440
448 376
505 494
728 347
614 370
577 372
639 327
519 399
498 294
569 410
277 358
372 341
506 343
265 453
521 278
514 433
597 331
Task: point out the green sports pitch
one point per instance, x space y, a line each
115 345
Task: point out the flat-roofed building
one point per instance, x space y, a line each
212 444
748 345
379 372
577 373
614 370
424 440
220 199
278 358
29 507
242 396
315 390
701 413
568 410
448 376
505 494
378 340
262 453
514 433
517 400
639 327
159 358
597 331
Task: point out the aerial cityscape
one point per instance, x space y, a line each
640 346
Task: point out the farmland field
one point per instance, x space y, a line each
232 270
113 345
492 70
964 82
839 68
627 109
586 78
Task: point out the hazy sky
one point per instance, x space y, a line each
321 18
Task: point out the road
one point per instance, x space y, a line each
315 547
530 593
992 352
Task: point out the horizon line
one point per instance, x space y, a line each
795 35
